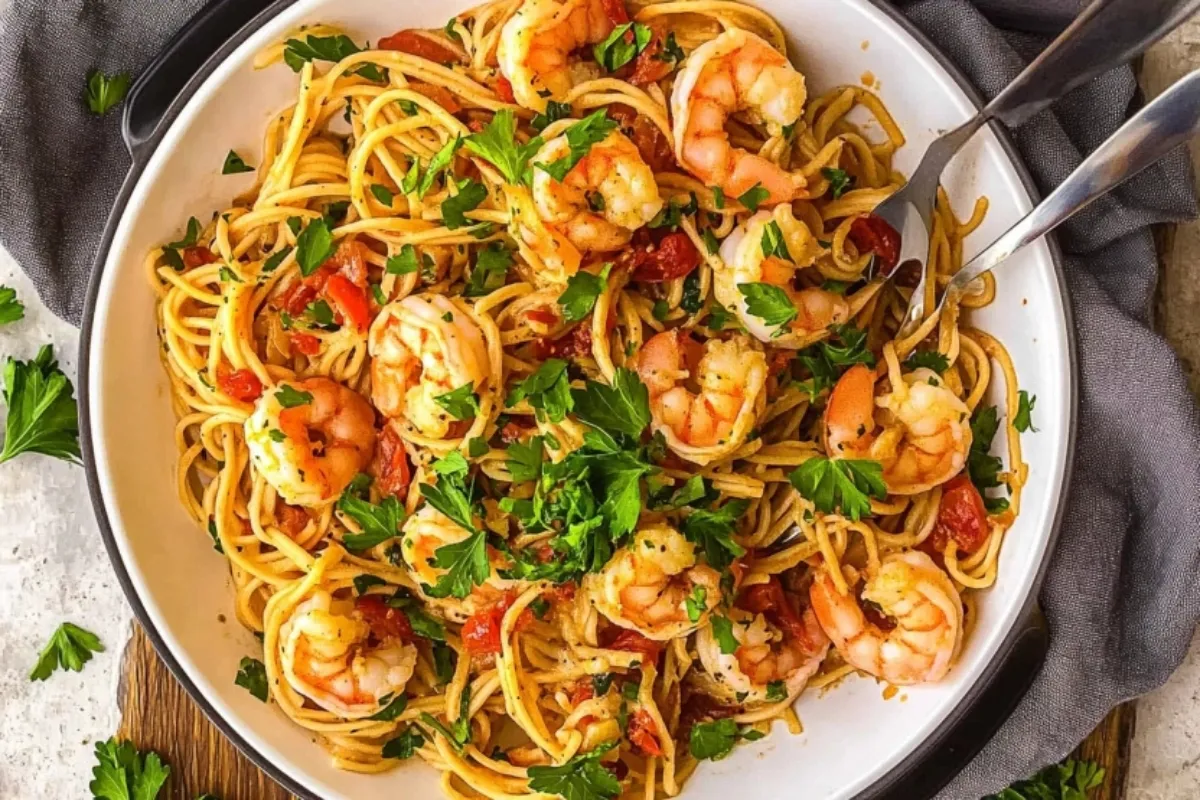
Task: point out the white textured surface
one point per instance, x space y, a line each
53 568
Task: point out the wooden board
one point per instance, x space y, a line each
159 715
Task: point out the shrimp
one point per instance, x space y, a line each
737 72
422 535
326 657
920 431
776 644
309 438
704 398
921 601
648 583
422 347
746 261
536 44
606 196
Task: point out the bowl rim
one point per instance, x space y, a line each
921 753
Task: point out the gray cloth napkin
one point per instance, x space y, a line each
1120 595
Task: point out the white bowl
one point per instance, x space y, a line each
854 738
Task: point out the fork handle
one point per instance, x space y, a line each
1161 126
1106 34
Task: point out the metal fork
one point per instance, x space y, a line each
1106 34
1172 119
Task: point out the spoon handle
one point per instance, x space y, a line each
1169 121
1105 34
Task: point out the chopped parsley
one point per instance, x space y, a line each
327 48
583 288
122 772
314 246
982 467
289 396
440 161
713 531
548 389
404 262
378 522
405 745
42 414
753 197
581 778
470 194
497 143
722 629
928 359
383 194
773 243
842 484
490 270
461 403
1023 421
553 113
619 48
839 180
11 309
252 676
715 740
234 165
592 129
622 407
769 303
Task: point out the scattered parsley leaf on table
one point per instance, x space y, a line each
11 309
252 676
124 773
581 778
42 415
1070 780
840 484
105 92
70 647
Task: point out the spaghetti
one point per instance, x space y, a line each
543 411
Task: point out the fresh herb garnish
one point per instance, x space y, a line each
524 460
722 629
252 676
405 745
497 143
11 309
289 396
69 648
548 389
490 270
842 484
982 467
234 164
592 129
1023 421
713 532
1070 780
715 740
928 359
327 48
753 197
622 407
839 180
581 778
42 415
769 303
553 113
124 773
378 522
620 48
394 708
104 92
314 246
583 288
440 161
470 194
403 263
773 243
776 691
460 403
383 194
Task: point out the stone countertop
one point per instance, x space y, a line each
53 568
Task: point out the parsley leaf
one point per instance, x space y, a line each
773 243
289 396
928 359
470 194
581 778
548 389
490 270
449 497
11 309
234 164
314 246
722 629
465 562
524 460
405 262
378 522
365 581
383 194
124 773
695 603
715 740
841 484
839 180
982 467
497 143
42 414
1023 421
578 299
393 709
619 49
252 676
441 159
1070 780
104 92
753 197
776 691
405 745
847 345
461 403
422 623
592 129
692 301
623 407
70 647
327 48
768 302
713 531
553 113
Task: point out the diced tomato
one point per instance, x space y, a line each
421 44
515 430
305 343
698 706
240 384
504 90
543 315
649 66
673 257
653 145
481 632
616 12
576 342
476 125
292 519
962 517
385 622
871 233
634 642
643 733
769 600
392 471
197 256
563 593
351 301
438 94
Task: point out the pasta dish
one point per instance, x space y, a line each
545 396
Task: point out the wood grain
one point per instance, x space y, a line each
159 715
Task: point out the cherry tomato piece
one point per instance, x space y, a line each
350 300
240 384
385 622
197 256
504 90
421 44
634 642
305 343
643 733
871 233
962 517
673 257
392 471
